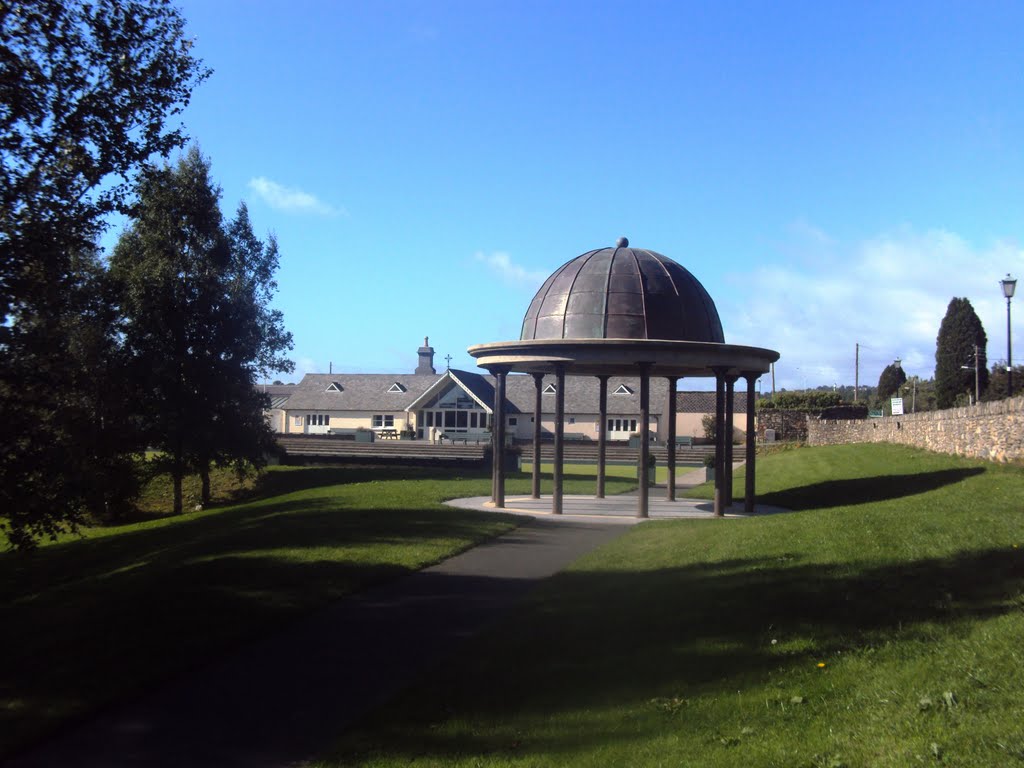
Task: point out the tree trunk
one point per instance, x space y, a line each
177 491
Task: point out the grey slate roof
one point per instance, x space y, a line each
278 393
360 391
704 402
369 392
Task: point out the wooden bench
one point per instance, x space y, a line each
684 440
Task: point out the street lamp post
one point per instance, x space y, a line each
1009 286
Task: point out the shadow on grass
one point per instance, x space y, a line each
596 641
865 490
110 613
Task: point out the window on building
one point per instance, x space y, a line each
335 387
572 419
386 420
549 389
318 420
396 388
622 389
513 421
298 421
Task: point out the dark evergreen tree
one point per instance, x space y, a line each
249 345
199 328
86 93
960 334
892 378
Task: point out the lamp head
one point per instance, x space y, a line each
1009 286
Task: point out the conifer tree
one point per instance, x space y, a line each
892 378
960 334
199 329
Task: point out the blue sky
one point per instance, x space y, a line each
833 173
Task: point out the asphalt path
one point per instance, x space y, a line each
285 698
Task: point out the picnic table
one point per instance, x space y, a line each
387 434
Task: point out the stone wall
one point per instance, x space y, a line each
993 431
788 425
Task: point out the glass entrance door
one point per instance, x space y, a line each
620 429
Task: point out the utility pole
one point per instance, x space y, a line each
856 372
773 381
977 384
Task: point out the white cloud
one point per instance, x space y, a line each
502 263
290 199
888 293
305 365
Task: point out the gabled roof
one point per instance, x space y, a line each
374 392
704 402
359 391
279 394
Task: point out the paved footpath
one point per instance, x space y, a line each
284 699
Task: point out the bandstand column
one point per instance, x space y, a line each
645 438
670 443
498 437
719 440
538 402
748 496
730 417
556 492
602 433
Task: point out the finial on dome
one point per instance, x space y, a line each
622 242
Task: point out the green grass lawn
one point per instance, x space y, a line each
89 619
880 624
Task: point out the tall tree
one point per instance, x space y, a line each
961 336
167 265
892 378
86 94
199 326
249 344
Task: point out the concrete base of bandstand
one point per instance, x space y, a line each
620 508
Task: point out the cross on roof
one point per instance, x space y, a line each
448 359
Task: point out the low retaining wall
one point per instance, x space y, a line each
993 431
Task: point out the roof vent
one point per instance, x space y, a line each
335 387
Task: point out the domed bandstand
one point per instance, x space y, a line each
625 311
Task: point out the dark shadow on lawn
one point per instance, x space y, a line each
865 490
584 639
588 639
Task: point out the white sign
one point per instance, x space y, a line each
897 406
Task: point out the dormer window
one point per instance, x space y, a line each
549 389
396 388
623 390
335 387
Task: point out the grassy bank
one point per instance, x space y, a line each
877 625
89 619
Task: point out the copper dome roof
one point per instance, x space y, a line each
622 293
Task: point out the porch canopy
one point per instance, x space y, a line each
625 311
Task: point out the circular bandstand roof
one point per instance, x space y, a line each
622 293
611 310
